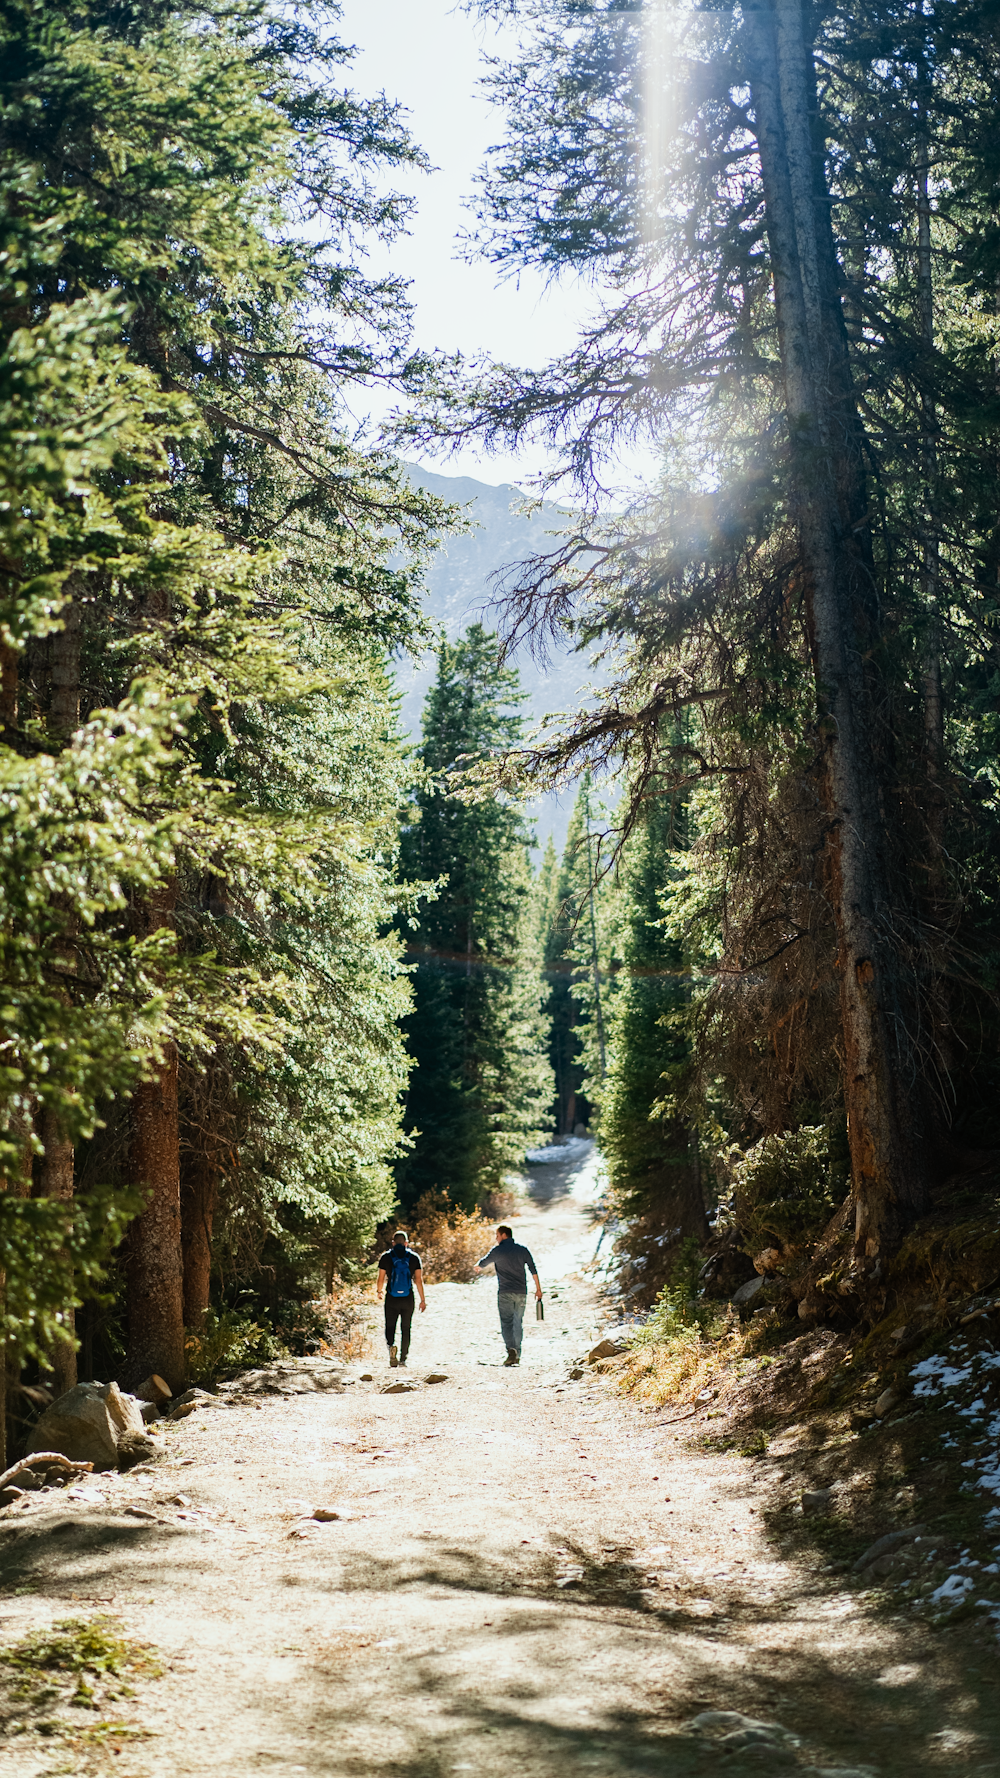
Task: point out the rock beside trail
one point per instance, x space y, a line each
606 1349
435 1377
138 1447
195 1398
87 1425
748 1291
399 1388
883 1546
818 1500
328 1514
45 1469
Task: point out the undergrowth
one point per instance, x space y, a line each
449 1241
688 1343
76 1665
225 1340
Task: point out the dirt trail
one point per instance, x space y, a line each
538 1578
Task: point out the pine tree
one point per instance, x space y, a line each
649 1145
481 1083
201 545
794 331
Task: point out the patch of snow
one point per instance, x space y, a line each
935 1374
953 1590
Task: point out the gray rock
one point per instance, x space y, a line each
606 1349
196 1398
891 1541
87 1424
138 1447
817 1500
889 1398
748 1291
729 1721
366 1377
10 1494
435 1377
150 1412
327 1515
399 1388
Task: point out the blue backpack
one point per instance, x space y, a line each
400 1276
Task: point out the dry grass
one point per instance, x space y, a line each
449 1241
347 1316
679 1364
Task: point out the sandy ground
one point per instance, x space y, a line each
537 1578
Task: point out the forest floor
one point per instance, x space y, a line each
532 1574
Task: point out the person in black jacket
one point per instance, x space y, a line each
510 1260
398 1272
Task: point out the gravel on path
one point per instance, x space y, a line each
524 1573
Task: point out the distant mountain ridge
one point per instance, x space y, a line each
459 593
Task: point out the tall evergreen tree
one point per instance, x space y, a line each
481 1084
793 280
649 1145
200 576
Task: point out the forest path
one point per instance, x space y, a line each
539 1578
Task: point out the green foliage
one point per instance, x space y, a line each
678 1308
785 1188
55 1254
228 1340
650 1148
481 1086
81 1662
200 576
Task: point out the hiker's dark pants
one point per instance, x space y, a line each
398 1308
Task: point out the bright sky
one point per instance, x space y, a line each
426 54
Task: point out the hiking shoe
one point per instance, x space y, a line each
511 1357
402 1364
393 1359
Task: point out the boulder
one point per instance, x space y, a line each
138 1447
150 1412
195 1398
893 1540
748 1291
435 1377
87 1424
890 1398
818 1500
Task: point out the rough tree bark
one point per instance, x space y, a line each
154 1263
18 1184
882 1085
199 1179
56 1181
56 1174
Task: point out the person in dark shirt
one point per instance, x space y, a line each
510 1260
398 1271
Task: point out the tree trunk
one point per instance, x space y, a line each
198 1191
56 1181
154 1258
19 1186
64 668
881 1082
56 1171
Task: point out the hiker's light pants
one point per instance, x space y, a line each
511 1306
